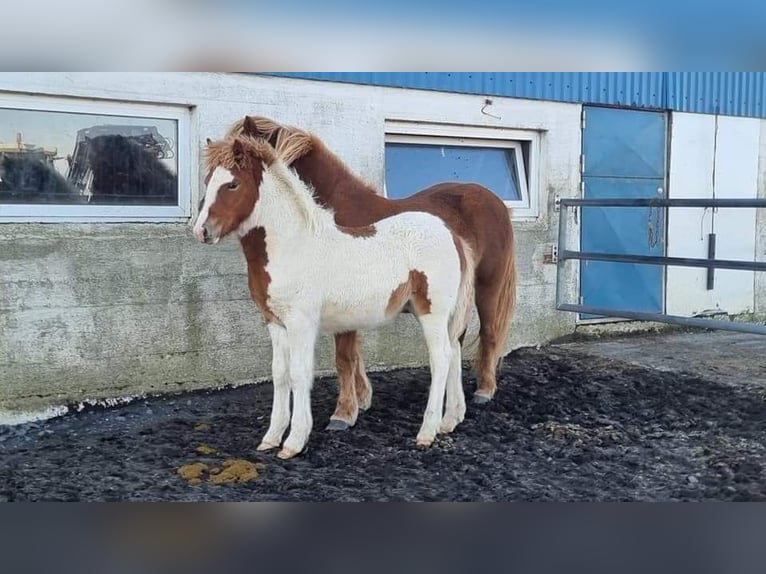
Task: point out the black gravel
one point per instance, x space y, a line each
564 426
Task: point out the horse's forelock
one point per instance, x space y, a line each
239 152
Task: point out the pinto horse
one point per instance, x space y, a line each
324 276
473 213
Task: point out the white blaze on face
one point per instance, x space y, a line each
220 177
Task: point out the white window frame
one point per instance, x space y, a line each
528 207
53 213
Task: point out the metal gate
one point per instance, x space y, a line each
566 255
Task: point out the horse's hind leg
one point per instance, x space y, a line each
490 347
280 409
439 351
346 363
362 383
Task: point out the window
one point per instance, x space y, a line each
67 160
504 161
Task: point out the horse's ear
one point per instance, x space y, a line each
238 151
209 141
249 127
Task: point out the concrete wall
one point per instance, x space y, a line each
96 311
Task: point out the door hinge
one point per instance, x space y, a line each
583 120
582 163
551 254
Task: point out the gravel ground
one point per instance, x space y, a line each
565 426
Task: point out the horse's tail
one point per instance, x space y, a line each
462 312
506 302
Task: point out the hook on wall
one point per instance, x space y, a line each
487 103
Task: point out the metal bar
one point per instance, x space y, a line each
671 319
711 257
674 261
662 202
561 263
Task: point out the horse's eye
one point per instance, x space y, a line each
233 185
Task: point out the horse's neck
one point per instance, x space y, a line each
287 212
332 180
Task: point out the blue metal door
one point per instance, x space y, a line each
623 157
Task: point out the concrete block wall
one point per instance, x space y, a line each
101 311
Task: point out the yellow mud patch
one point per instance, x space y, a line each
193 472
206 450
236 471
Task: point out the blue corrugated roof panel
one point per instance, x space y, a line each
631 88
729 93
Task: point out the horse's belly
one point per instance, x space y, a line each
336 319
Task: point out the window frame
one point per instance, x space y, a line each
61 213
402 132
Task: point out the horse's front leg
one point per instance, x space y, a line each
301 338
280 409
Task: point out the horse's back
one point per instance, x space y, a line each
471 210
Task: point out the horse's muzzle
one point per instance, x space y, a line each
202 234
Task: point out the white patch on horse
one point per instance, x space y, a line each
221 176
317 283
323 278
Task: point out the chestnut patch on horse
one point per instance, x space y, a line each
258 279
359 231
246 159
235 200
413 291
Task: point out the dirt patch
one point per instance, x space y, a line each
564 426
577 435
206 450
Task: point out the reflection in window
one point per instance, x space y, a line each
74 158
413 167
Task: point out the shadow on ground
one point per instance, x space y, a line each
565 426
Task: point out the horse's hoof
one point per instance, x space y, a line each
264 446
425 442
480 400
448 426
287 453
337 425
366 402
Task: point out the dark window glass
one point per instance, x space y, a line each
75 158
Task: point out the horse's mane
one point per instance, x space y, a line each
293 143
289 142
242 151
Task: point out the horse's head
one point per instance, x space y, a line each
232 186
